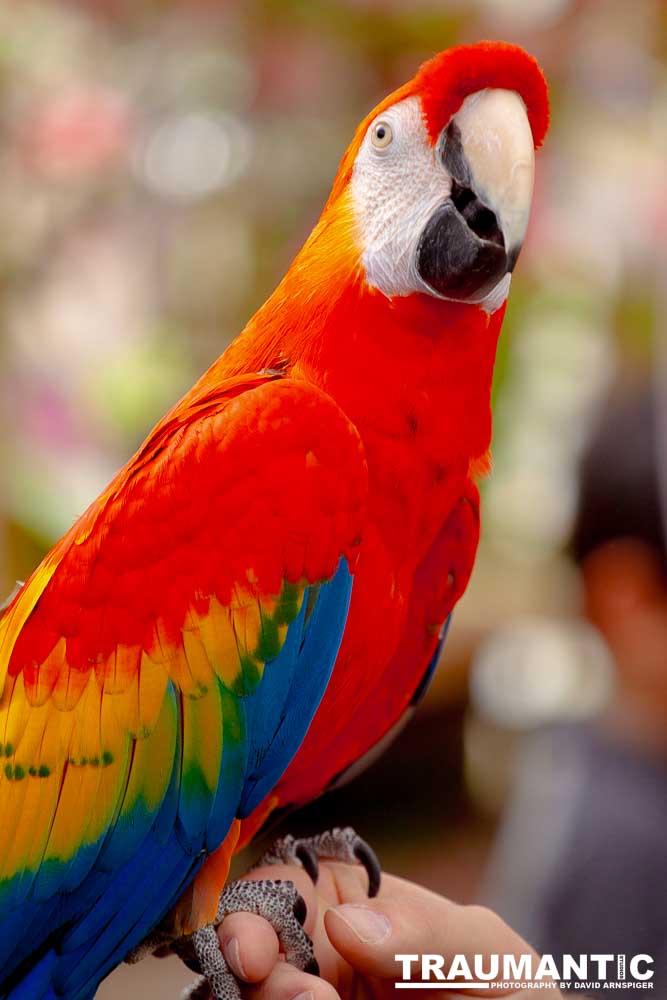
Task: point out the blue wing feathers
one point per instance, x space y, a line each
37 984
130 880
88 952
281 710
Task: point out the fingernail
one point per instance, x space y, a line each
370 927
232 953
309 995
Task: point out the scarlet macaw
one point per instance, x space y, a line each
258 597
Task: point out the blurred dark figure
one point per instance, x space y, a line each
620 543
596 883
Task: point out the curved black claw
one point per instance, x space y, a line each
367 857
339 844
300 909
308 858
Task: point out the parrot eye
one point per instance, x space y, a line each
381 135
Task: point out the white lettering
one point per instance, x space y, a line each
602 963
547 968
406 961
573 967
578 971
432 966
459 967
490 973
634 967
515 970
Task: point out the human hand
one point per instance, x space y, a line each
356 938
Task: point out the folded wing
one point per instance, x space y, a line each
161 667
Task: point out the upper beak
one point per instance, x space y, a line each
474 238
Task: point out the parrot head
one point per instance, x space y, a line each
439 176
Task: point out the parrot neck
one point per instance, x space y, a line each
417 365
413 374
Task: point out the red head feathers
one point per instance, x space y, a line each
444 82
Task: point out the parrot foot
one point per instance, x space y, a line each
333 845
275 900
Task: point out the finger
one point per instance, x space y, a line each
249 944
369 936
287 983
350 881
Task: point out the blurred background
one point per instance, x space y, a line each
161 163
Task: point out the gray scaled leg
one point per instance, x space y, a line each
276 901
339 844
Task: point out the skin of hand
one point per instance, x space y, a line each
356 938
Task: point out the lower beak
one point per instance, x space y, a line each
461 253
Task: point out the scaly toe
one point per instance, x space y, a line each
339 844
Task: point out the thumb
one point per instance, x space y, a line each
369 936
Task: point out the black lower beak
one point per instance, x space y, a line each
461 252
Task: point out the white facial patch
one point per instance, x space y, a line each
396 190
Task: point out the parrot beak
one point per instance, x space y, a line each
474 238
